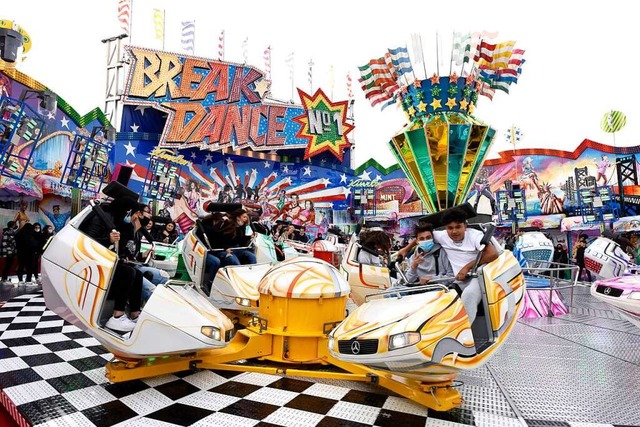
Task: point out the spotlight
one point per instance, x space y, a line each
10 42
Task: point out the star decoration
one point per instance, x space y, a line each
474 97
307 171
422 106
463 104
435 79
451 102
65 122
404 90
262 87
285 169
411 110
267 165
469 79
419 96
452 90
435 91
141 108
453 78
436 104
417 83
472 108
466 91
131 150
134 127
364 176
343 178
50 115
193 154
378 177
208 157
332 137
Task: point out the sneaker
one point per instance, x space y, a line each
120 324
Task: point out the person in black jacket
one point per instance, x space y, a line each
27 245
236 236
126 283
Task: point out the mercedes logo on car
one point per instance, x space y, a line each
355 347
606 291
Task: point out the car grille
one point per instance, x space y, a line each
362 346
612 292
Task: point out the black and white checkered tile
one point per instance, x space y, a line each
54 375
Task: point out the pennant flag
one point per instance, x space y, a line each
245 50
418 53
124 15
188 36
310 75
349 86
401 61
267 62
289 61
221 46
158 22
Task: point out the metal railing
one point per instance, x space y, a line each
553 271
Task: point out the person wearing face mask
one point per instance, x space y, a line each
428 261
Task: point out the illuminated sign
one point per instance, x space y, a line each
361 183
211 104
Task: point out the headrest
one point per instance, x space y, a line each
116 190
436 219
222 207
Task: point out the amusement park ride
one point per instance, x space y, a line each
289 317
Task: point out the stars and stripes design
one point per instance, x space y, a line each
383 78
124 15
188 36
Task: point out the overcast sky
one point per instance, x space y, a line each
580 56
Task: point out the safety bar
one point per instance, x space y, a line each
427 287
554 280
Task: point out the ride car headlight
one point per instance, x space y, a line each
634 295
211 332
403 340
331 343
246 302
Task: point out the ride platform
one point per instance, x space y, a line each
574 370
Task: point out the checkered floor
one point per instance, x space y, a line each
53 373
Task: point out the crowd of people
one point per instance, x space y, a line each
21 246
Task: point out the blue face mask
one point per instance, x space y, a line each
426 245
127 219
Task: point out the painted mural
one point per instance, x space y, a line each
47 200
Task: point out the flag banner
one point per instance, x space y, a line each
245 50
158 22
267 62
124 15
188 36
221 46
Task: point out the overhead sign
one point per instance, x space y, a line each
211 104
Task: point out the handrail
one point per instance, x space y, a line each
554 280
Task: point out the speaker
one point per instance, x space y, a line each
122 173
10 42
49 101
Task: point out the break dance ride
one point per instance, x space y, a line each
294 321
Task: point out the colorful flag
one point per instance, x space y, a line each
267 62
221 46
188 36
461 48
349 85
158 21
485 52
124 15
310 75
401 61
245 50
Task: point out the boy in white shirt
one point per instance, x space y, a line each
462 245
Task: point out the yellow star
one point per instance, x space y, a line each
262 86
472 108
463 104
451 103
436 104
422 106
411 110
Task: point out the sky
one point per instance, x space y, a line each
580 57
